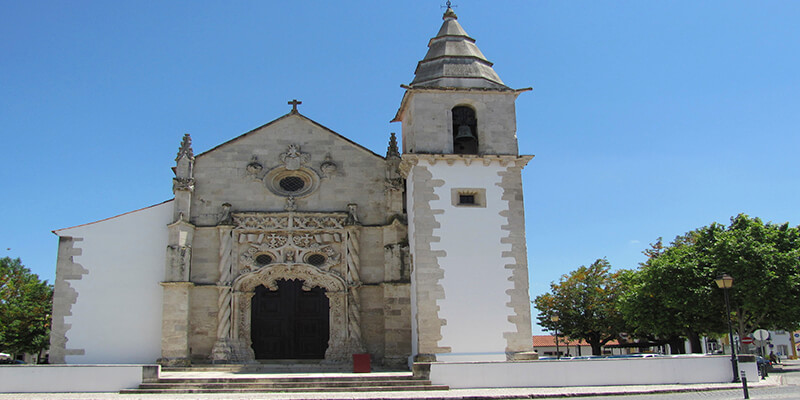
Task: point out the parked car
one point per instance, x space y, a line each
586 357
637 355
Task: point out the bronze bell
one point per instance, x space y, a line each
464 132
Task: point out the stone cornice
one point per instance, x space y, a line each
177 283
460 89
410 90
411 159
181 222
259 221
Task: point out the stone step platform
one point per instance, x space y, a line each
236 382
277 366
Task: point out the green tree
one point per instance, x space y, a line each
673 294
585 301
25 307
670 298
764 260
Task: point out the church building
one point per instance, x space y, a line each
293 242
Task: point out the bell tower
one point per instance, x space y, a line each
469 293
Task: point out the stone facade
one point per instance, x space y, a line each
241 209
430 130
405 256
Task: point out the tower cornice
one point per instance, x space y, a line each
412 159
411 90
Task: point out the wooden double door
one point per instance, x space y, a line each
290 323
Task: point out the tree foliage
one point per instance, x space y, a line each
585 301
670 296
673 294
25 307
764 260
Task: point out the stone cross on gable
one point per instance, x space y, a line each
294 103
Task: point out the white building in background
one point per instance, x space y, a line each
781 343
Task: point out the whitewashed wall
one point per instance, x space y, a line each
117 316
475 278
606 372
71 378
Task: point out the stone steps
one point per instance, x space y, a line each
222 385
310 389
210 382
284 380
258 368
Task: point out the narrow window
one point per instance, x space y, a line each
466 199
465 130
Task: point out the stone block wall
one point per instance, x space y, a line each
372 320
371 256
430 130
221 174
174 328
203 317
205 256
397 323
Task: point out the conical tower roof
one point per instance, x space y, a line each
454 61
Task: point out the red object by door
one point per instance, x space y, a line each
361 363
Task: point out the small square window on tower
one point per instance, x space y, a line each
468 197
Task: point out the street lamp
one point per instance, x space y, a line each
555 318
725 282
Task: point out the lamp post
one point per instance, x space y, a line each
725 282
555 318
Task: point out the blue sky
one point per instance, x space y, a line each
647 118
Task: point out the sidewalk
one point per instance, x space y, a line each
471 394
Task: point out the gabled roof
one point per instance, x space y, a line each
58 231
290 115
453 60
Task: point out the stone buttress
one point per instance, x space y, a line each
176 284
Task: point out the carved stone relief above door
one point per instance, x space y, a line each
319 249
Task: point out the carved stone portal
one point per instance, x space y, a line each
284 250
336 291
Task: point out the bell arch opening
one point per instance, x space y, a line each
465 130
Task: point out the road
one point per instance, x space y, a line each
790 376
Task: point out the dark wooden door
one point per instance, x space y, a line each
289 323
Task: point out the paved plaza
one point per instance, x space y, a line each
784 383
